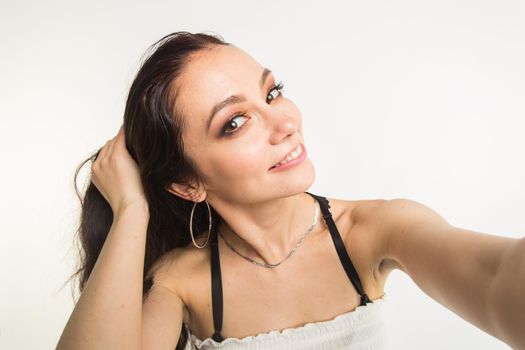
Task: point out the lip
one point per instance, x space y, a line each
293 162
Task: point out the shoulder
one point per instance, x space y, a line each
395 221
357 210
398 216
357 214
179 269
178 264
404 210
358 227
393 215
375 227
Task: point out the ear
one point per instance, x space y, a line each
191 192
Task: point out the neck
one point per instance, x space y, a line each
266 231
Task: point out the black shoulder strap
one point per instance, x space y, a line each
340 247
216 287
216 280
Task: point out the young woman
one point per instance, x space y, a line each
198 231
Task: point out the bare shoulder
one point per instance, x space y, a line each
400 211
363 210
164 305
377 227
359 230
177 265
400 215
180 268
394 217
359 214
383 214
357 210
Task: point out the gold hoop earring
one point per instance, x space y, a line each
191 225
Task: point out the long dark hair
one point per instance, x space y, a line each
153 128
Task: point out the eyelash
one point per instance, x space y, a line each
278 87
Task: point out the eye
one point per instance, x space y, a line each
276 88
234 124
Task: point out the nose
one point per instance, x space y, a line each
281 125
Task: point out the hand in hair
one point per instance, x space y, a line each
116 175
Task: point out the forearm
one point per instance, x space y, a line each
108 312
507 297
481 278
456 268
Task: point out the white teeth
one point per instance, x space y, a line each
295 153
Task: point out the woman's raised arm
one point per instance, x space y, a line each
109 312
478 276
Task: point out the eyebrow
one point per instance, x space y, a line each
234 99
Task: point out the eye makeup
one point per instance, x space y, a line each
231 122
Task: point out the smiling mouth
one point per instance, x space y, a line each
291 156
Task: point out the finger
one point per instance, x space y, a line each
120 144
100 153
105 150
96 155
120 133
103 154
111 144
120 138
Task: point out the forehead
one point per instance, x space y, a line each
211 75
219 64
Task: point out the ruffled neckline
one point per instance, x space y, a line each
353 315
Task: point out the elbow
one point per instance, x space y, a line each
505 302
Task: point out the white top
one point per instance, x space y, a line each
359 329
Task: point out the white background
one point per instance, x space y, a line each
410 99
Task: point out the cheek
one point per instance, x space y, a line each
245 162
248 163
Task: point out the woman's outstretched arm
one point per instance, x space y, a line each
478 276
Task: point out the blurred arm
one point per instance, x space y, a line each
478 276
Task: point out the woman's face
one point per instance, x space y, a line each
235 147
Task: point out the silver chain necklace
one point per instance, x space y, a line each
271 266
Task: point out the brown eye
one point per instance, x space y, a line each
233 124
275 92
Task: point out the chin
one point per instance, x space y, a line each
298 183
